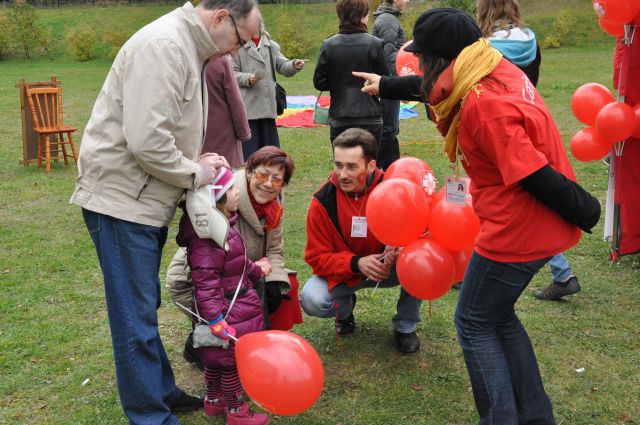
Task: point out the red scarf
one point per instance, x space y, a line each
271 210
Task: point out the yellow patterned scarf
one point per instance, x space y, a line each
474 63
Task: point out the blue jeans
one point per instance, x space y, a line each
502 366
129 255
560 270
317 301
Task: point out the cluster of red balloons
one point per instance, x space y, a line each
609 121
407 63
614 14
406 211
280 371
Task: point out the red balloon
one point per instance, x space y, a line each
280 371
397 212
616 121
636 111
588 145
616 11
587 101
454 226
407 63
460 261
425 269
414 170
611 28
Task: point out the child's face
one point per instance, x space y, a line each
233 198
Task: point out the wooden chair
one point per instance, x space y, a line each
46 108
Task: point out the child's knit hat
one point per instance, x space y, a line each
223 182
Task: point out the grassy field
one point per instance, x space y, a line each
55 356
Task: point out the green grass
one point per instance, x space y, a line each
54 331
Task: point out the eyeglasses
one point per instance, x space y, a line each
263 177
241 42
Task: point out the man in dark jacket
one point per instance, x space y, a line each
387 28
344 256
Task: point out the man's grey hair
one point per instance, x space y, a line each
240 9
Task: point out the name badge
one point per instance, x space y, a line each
359 227
456 191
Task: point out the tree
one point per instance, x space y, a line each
27 33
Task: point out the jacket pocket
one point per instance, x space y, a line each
144 185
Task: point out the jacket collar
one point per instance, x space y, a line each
244 206
253 51
205 47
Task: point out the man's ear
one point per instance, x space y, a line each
371 166
219 15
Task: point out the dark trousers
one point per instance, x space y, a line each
375 129
389 148
506 382
263 133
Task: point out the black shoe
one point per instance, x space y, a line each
190 354
406 343
557 290
457 286
346 327
187 403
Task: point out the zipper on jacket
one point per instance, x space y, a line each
144 186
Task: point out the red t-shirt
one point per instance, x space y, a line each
505 134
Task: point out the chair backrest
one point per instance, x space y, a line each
46 106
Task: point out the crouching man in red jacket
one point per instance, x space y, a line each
343 254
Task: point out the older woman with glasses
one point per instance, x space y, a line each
260 213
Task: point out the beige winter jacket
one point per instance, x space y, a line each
259 244
147 125
260 99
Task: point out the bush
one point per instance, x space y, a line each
466 5
115 40
291 33
25 30
561 29
5 35
81 41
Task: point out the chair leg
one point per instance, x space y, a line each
40 147
62 144
47 146
73 148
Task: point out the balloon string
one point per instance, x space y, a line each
430 309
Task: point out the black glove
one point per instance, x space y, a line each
563 196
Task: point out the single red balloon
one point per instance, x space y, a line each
454 226
407 63
280 371
616 121
414 170
611 28
397 212
460 261
588 145
636 111
425 269
587 101
616 11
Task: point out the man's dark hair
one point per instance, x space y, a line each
240 9
351 12
358 137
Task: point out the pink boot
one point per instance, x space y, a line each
245 416
214 409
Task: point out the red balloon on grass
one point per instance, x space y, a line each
397 212
588 145
587 101
617 11
611 28
406 62
460 261
414 170
616 121
425 269
454 226
280 371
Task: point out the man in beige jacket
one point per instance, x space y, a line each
139 153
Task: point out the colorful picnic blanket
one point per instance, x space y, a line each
299 112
